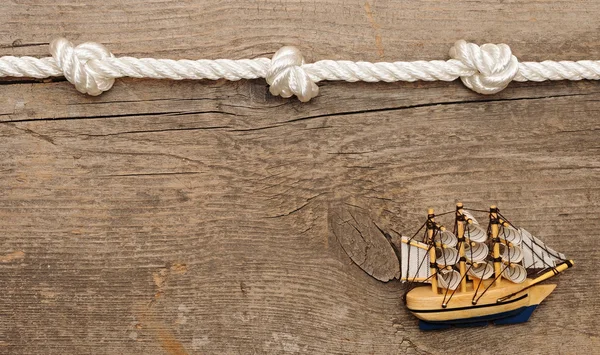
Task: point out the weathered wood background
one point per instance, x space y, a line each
195 217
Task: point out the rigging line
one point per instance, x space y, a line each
484 269
426 256
455 228
407 259
489 229
506 219
433 237
540 271
411 288
490 285
504 298
445 264
470 209
424 233
458 246
480 282
417 232
464 276
496 278
442 250
444 300
443 213
470 246
506 245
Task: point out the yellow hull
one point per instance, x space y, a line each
427 305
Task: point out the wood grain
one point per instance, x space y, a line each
192 217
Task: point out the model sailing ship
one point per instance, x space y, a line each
476 274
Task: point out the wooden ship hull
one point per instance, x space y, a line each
461 311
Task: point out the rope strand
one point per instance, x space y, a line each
485 69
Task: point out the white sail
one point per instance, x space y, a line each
510 234
475 233
446 256
468 216
512 254
476 253
414 261
448 239
536 254
515 273
449 279
482 271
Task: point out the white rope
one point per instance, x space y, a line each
486 69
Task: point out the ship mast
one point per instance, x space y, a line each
494 236
460 234
432 258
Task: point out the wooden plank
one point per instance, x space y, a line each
192 217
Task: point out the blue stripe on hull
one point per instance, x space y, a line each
517 318
519 315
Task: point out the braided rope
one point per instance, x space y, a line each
485 69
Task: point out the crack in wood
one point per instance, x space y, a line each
209 128
20 81
308 201
153 174
19 44
124 115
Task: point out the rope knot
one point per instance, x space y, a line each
76 64
494 65
286 76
